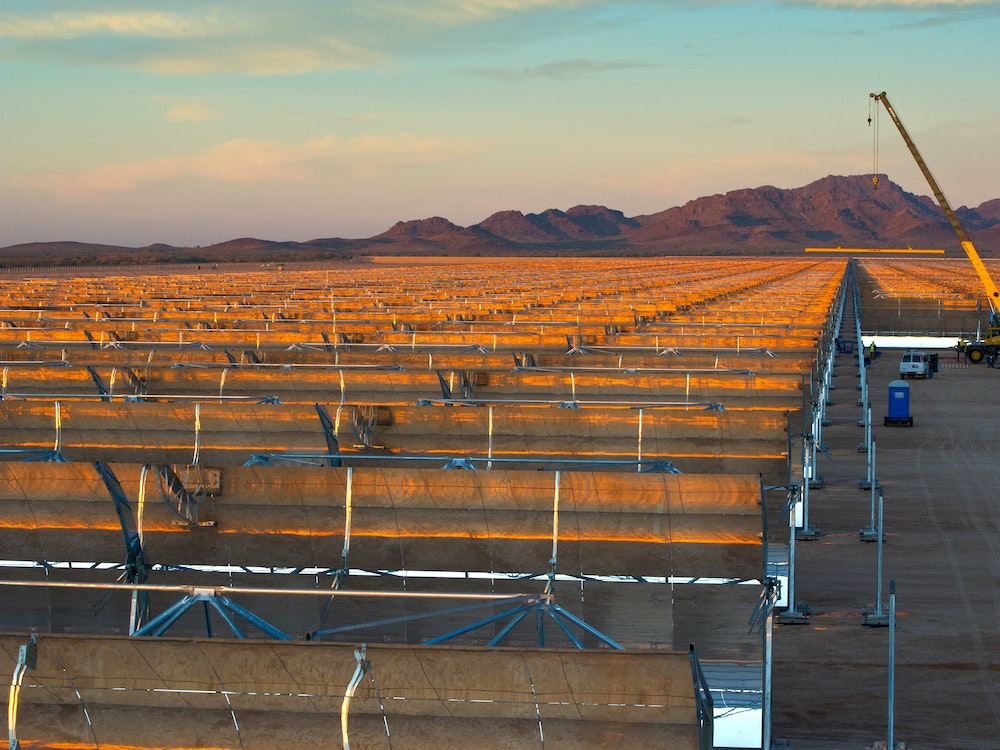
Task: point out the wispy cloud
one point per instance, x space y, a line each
137 23
237 40
465 11
900 4
255 161
457 12
257 58
564 69
186 109
255 37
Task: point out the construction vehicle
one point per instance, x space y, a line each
978 350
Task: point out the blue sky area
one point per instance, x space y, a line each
192 122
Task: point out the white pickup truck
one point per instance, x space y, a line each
915 365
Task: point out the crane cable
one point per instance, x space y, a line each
874 141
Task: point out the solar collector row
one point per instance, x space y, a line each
140 694
496 327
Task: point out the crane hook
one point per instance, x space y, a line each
875 182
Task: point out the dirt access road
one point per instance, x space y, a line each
941 485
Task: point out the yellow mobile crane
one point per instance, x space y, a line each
976 351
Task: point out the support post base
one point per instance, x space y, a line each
875 620
807 533
869 535
797 616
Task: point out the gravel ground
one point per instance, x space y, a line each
942 549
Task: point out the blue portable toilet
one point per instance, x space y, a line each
899 404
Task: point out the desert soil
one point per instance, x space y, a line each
942 548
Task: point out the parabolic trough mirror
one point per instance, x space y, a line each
532 466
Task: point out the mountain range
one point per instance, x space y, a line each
834 211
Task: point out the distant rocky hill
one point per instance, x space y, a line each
831 212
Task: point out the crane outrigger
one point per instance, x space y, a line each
976 351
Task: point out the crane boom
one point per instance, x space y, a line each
992 293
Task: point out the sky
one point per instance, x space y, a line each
193 122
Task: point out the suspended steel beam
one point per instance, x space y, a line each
359 593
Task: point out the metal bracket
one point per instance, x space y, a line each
540 607
459 463
705 706
330 433
224 606
360 671
54 455
136 567
660 467
27 658
177 497
101 388
445 390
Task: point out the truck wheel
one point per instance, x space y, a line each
975 354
